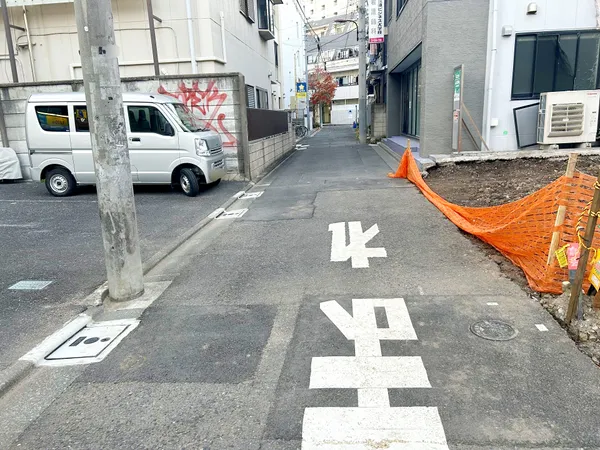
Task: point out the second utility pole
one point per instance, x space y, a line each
362 75
106 118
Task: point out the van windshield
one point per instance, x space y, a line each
186 118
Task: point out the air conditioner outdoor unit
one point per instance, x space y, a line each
569 117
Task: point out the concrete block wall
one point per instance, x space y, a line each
264 153
214 98
378 120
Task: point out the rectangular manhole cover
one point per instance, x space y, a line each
234 214
92 343
30 285
249 195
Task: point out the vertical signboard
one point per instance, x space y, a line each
459 74
376 22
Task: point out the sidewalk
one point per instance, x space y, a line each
246 348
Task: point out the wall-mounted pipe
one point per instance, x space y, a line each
188 10
223 37
74 66
493 36
9 41
29 45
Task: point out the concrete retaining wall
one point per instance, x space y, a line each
214 98
378 120
263 154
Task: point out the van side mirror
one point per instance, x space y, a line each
169 131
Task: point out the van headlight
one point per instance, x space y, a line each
202 147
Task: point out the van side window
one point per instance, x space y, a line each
147 119
81 119
53 118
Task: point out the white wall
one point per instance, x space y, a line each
343 114
316 9
292 56
552 15
56 45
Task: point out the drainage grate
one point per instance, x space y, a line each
91 344
248 195
494 330
232 214
30 285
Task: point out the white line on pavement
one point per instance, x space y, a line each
541 327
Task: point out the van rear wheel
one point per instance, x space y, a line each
189 182
60 182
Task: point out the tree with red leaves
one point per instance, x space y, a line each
323 87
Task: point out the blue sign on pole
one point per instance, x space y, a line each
301 89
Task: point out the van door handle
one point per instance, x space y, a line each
135 140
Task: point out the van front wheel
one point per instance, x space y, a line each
189 182
60 182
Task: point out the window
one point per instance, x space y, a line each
265 15
250 98
387 11
247 9
81 119
262 98
276 54
411 99
147 119
53 118
555 61
399 5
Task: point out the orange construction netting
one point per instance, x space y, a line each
521 230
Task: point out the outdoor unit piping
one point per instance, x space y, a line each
492 67
29 45
188 10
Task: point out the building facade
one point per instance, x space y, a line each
511 50
337 53
192 36
323 9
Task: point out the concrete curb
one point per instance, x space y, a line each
13 374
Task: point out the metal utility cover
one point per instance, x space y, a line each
90 342
494 330
251 195
233 214
30 285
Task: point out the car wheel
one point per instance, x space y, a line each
60 182
189 182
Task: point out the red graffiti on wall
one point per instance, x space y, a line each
205 103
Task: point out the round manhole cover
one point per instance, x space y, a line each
494 330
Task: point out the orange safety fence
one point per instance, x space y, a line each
520 230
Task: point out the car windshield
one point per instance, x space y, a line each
186 117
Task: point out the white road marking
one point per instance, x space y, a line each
233 214
541 327
30 285
374 424
356 249
352 372
216 213
414 428
249 195
265 184
492 303
238 194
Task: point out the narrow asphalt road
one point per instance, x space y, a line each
339 311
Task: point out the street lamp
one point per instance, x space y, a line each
362 72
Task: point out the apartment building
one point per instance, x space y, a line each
192 36
322 9
337 53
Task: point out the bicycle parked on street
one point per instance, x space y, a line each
301 131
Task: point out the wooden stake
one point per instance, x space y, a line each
562 212
475 125
585 253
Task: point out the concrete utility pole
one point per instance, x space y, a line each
109 146
362 74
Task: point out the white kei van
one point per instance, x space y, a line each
167 144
